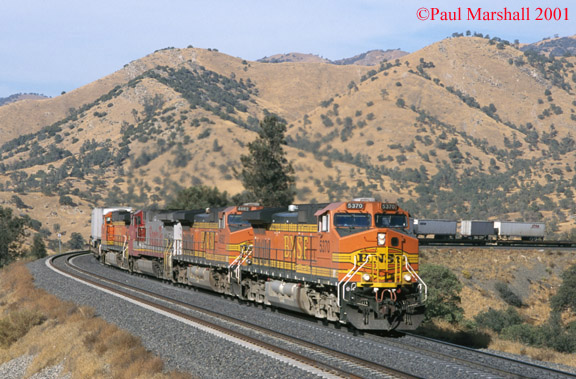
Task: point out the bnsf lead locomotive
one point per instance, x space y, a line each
352 262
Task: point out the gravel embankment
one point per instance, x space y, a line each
189 349
16 368
182 347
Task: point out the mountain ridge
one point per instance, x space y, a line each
465 127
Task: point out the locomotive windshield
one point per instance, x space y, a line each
352 220
236 219
390 221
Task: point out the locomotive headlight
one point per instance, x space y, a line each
381 239
366 277
408 277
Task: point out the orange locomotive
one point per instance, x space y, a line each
352 262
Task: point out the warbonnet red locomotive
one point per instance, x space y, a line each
350 262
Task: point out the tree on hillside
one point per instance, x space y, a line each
198 197
266 172
12 233
76 241
443 293
38 249
565 298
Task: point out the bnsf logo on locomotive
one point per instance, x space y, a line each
362 257
296 247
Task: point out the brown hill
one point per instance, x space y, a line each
294 57
19 97
372 57
369 58
466 127
557 46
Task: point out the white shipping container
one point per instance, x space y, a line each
435 227
520 229
470 228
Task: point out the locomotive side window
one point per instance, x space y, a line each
325 223
236 219
390 221
236 222
352 220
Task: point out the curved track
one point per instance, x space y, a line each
331 365
432 356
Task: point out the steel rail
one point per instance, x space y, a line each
332 355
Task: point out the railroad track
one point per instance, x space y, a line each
435 357
316 359
484 361
498 243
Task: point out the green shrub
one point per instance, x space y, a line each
67 200
76 241
524 333
498 320
38 249
443 293
565 298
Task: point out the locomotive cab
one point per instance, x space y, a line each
377 259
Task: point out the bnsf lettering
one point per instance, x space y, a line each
208 240
380 258
296 247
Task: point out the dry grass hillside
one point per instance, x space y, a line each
466 127
533 275
51 332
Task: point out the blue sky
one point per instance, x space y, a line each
58 45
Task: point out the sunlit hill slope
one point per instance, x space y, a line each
466 127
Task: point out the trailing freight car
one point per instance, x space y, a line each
438 229
527 231
471 229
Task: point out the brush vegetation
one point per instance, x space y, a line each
520 302
470 127
33 322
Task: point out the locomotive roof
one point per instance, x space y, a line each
262 216
329 207
303 214
179 215
210 216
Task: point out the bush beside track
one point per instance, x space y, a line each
497 284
